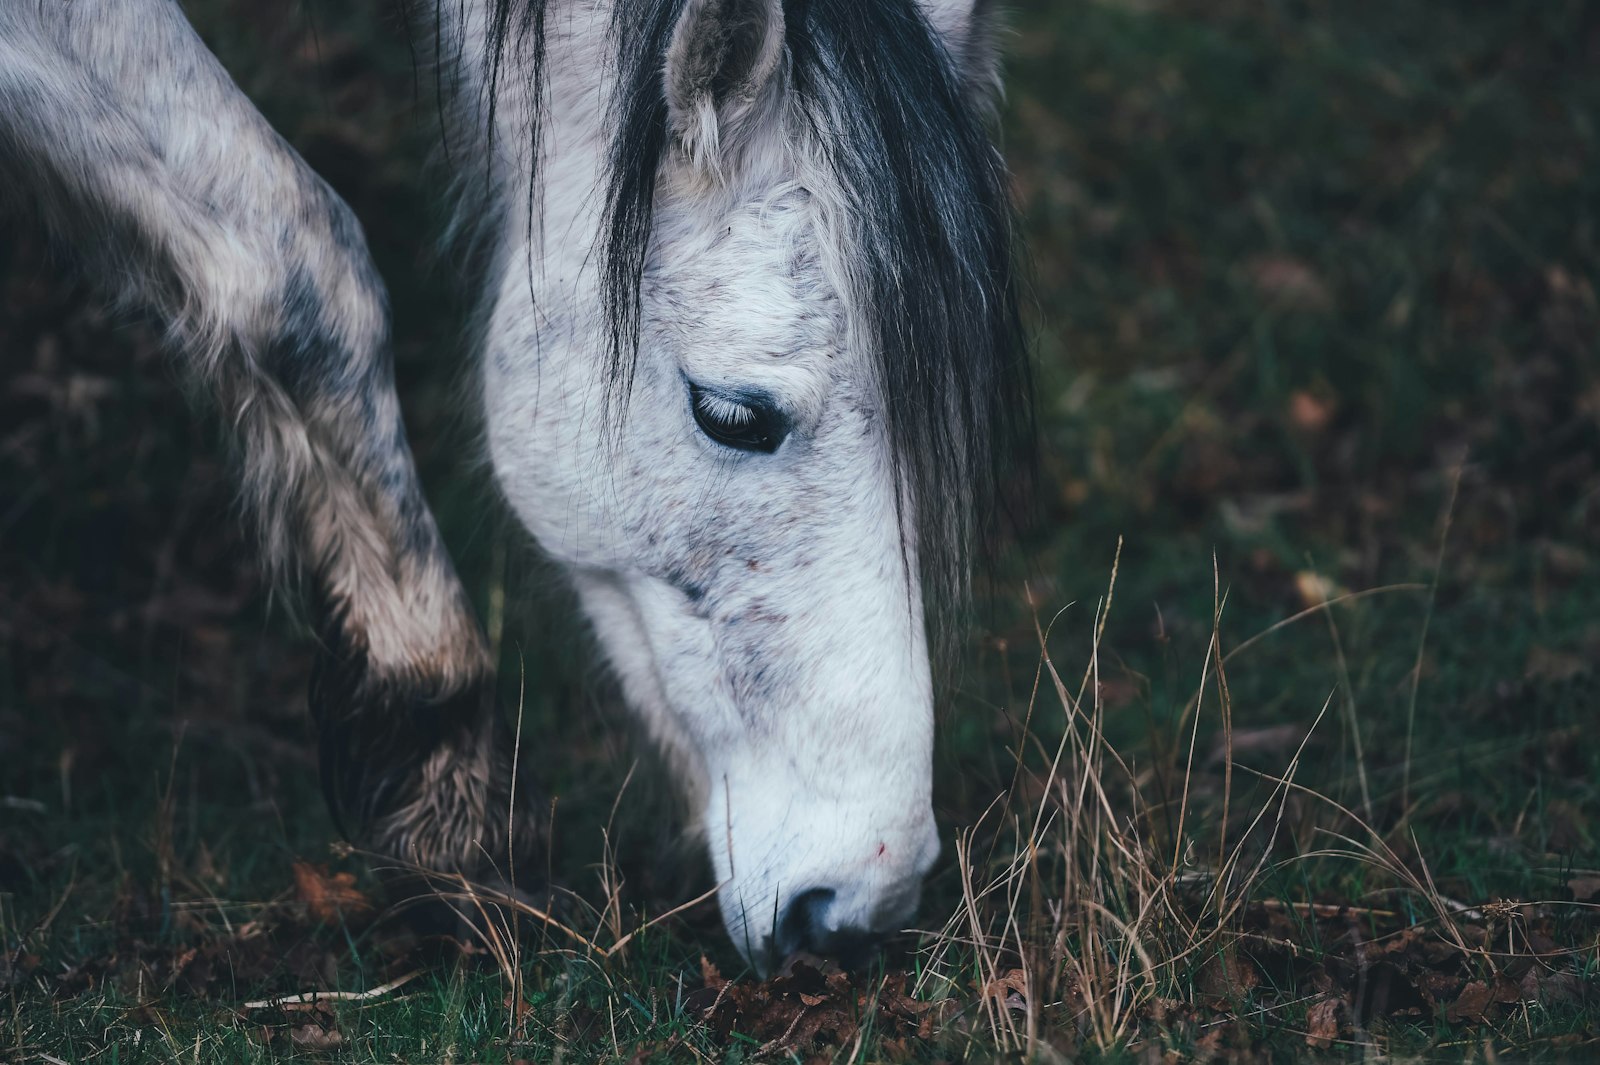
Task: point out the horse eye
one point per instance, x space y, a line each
738 423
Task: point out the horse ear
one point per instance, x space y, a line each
970 30
722 72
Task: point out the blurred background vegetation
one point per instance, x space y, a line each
1314 307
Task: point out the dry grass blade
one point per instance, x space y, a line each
1422 637
1379 855
1075 918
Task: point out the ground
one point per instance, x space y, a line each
1309 769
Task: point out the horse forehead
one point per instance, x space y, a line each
747 284
768 217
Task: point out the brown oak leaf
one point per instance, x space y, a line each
327 897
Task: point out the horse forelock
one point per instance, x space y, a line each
930 239
922 228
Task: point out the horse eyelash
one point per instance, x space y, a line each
723 409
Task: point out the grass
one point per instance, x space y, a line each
1315 308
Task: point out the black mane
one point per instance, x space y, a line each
932 229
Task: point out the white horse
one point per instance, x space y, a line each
750 363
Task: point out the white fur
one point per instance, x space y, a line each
793 690
950 19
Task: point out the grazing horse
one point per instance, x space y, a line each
750 367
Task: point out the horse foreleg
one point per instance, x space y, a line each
131 144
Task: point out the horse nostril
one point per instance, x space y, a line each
803 926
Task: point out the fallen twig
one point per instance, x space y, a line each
310 998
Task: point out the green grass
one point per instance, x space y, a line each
1314 286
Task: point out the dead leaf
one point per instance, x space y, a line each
316 1037
1554 666
1584 888
14 969
1553 988
1309 412
1290 281
1226 978
1478 999
1209 1045
328 897
1117 692
810 1002
1012 980
1441 987
1323 1022
1564 560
